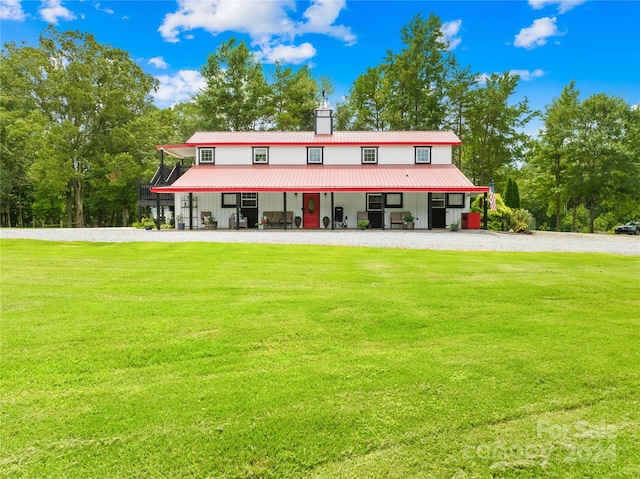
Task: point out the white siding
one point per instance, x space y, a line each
332 155
416 203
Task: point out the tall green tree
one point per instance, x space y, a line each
496 139
186 120
512 194
20 133
459 86
415 77
294 96
603 164
85 91
236 92
552 152
367 99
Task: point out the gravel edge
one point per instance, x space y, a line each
466 240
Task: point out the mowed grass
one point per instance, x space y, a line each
233 360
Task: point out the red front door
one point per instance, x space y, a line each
311 210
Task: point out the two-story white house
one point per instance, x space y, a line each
321 173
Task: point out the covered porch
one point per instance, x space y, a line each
335 195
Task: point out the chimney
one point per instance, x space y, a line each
323 119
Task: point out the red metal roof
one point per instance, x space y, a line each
322 178
310 138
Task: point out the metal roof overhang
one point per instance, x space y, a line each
322 178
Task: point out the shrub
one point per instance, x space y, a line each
499 220
512 194
521 221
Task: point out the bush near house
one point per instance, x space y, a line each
504 218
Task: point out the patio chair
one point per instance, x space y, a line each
242 222
203 217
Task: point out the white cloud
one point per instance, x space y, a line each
563 5
289 53
105 10
526 75
178 88
11 10
536 35
320 17
215 16
52 10
269 24
450 31
158 62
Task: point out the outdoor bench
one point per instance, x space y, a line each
278 218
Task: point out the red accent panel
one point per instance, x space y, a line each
311 210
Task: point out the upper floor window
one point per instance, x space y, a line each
206 155
260 155
314 155
369 155
423 154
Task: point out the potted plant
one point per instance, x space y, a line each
325 221
362 224
263 223
455 225
409 221
298 221
211 223
180 221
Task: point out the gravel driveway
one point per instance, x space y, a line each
468 240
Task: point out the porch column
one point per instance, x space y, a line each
484 219
382 204
284 207
238 199
190 211
429 221
333 218
160 182
158 210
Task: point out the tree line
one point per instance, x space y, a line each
78 126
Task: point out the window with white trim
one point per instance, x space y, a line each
374 202
260 155
369 155
206 156
249 200
455 200
314 155
423 154
437 200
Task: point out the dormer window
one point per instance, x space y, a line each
260 155
314 155
369 155
206 156
423 154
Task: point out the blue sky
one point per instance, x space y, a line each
547 42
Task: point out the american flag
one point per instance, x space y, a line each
492 198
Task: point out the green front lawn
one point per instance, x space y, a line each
229 360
